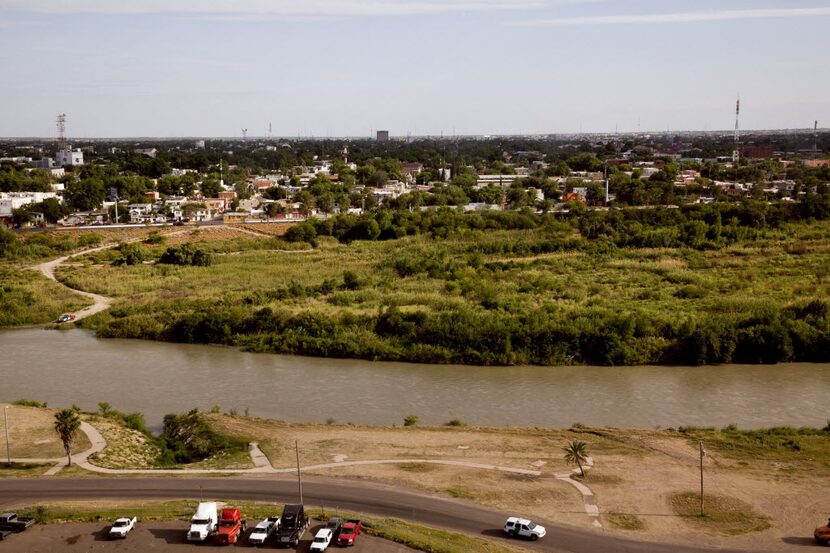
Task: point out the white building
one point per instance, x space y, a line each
69 157
10 201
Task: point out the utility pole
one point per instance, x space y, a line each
299 478
702 454
606 182
6 424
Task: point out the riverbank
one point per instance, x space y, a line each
463 300
768 488
543 296
750 396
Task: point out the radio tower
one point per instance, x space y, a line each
815 138
270 133
736 153
61 124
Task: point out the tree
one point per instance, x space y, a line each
67 424
86 194
20 216
211 188
576 453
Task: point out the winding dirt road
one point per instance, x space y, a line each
99 302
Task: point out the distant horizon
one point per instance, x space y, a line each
403 137
342 68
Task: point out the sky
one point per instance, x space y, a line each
328 68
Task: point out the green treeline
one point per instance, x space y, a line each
493 337
702 226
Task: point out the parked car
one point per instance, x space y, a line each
293 524
231 525
10 522
822 534
65 318
122 526
322 539
349 532
334 524
204 521
523 528
263 530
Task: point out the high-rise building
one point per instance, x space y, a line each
383 136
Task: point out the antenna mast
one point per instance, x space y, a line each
270 133
815 138
736 153
61 124
244 135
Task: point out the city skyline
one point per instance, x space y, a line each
347 68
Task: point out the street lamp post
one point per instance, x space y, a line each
6 424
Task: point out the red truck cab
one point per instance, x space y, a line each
349 531
231 526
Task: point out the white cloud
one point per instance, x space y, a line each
682 17
278 8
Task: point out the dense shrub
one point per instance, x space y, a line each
186 254
187 438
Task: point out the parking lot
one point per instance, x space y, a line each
151 536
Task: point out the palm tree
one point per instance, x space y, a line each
576 453
67 423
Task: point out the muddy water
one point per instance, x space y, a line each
72 366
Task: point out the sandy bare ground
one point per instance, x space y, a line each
150 536
635 473
32 434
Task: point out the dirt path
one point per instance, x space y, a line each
99 302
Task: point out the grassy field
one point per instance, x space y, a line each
32 434
725 515
422 299
27 297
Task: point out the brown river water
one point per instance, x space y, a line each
73 367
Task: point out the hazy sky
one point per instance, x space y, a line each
347 67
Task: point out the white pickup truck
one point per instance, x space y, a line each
122 526
260 534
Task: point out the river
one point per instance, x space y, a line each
73 367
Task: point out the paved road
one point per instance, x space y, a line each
330 493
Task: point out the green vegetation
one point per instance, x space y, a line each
186 254
18 470
576 453
188 438
780 444
546 295
42 244
30 403
67 424
625 521
411 420
724 515
416 536
27 297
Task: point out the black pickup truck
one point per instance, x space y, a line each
10 522
293 526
